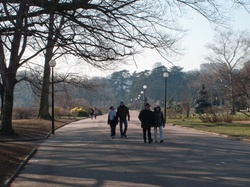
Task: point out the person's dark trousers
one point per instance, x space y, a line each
145 130
123 131
113 127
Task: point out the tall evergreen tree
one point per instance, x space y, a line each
202 101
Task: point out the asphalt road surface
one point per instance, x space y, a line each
82 154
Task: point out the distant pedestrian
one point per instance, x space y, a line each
95 112
159 122
124 117
146 117
112 121
92 113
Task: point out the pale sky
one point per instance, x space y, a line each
200 33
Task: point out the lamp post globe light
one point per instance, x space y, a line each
145 98
165 75
52 64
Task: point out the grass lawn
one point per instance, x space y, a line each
240 129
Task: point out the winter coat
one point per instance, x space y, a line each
158 119
123 112
147 118
112 117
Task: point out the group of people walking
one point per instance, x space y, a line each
122 116
93 112
147 117
150 119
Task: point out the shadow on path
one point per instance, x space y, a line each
82 154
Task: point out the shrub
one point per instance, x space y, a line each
83 113
23 113
61 112
214 117
227 117
79 112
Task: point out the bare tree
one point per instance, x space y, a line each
228 53
111 29
99 32
243 3
242 84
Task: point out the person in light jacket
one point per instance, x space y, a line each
146 117
159 122
112 121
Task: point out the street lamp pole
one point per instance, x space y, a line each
52 64
142 99
139 99
145 98
165 75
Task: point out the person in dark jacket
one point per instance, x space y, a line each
146 117
159 122
91 113
123 115
112 121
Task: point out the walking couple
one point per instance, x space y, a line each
122 116
150 119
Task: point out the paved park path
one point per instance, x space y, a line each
82 154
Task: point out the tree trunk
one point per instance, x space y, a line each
44 102
6 115
8 70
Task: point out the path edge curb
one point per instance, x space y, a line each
20 167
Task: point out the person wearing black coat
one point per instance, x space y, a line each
123 115
146 117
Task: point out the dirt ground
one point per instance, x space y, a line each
29 133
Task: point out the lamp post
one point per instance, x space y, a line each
142 99
136 107
52 64
145 98
139 100
165 75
